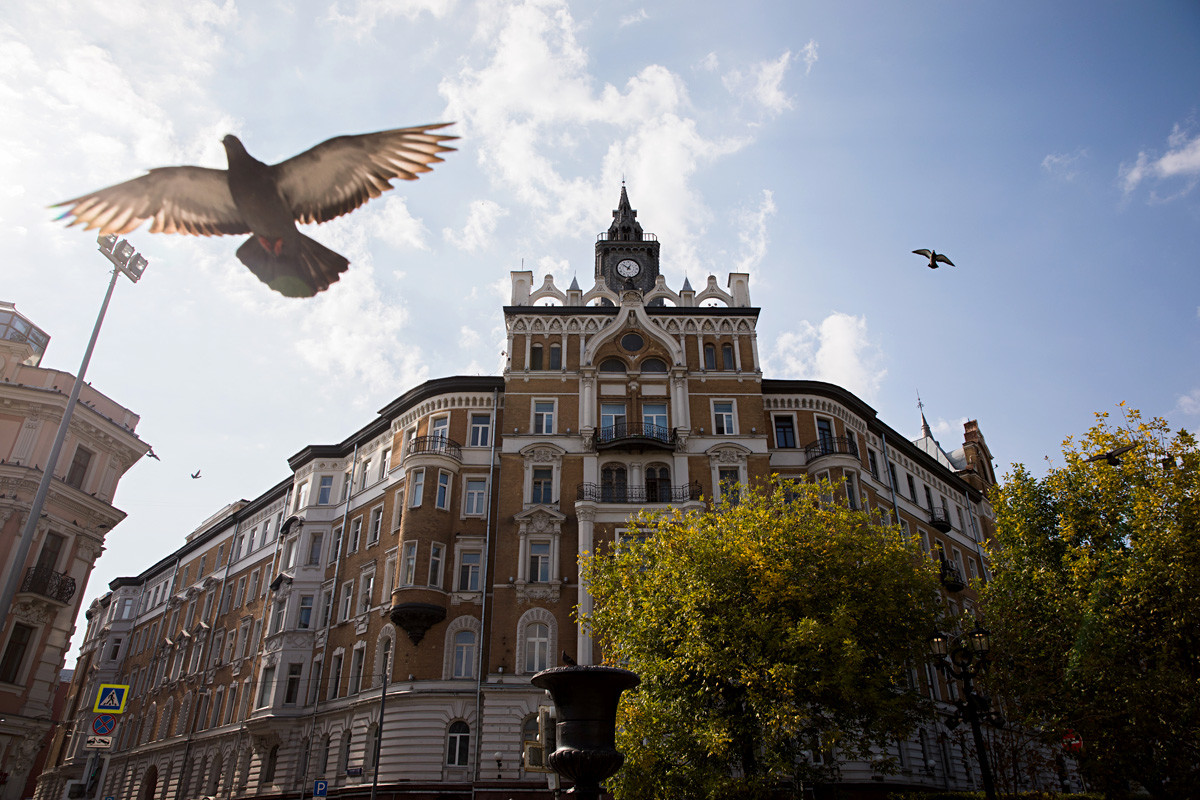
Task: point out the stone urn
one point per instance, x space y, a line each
586 701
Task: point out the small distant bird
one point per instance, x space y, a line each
1113 456
566 657
934 258
333 178
195 474
153 454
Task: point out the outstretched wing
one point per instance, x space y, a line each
923 252
339 175
943 259
192 200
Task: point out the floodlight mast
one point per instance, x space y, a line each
127 261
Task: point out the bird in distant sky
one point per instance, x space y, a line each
320 184
195 474
153 454
934 258
1113 456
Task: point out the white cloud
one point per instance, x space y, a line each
391 221
1182 160
1064 166
763 82
839 350
632 19
809 54
364 15
945 428
752 232
710 63
482 219
1189 403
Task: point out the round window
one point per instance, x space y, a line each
632 342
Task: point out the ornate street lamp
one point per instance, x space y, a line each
963 658
586 699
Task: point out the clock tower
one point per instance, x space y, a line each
626 256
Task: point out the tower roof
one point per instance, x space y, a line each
625 226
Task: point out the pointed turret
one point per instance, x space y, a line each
625 227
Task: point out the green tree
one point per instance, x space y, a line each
782 624
1094 605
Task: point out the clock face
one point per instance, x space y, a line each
628 268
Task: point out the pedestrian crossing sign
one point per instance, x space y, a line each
111 698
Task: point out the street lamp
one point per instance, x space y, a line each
963 658
127 261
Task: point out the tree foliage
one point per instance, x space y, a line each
783 624
1094 604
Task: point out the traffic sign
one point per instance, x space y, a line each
100 742
103 724
111 698
320 788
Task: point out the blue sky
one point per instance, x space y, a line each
1052 150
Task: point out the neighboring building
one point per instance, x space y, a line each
100 447
432 554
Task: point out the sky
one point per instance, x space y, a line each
1051 150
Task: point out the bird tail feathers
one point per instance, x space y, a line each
302 268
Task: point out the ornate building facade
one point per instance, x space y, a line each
100 447
374 618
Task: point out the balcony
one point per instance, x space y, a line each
637 495
635 434
952 579
831 446
49 584
939 518
434 445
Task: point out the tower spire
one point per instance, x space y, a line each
925 432
625 227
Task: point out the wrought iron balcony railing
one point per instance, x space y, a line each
54 585
952 578
434 445
616 493
831 445
939 518
635 433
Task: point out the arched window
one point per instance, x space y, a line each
214 775
323 760
464 654
710 357
149 784
612 365
458 744
535 356
344 752
658 484
654 365
556 356
613 484
268 775
372 747
537 647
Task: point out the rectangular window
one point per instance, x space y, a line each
785 431
912 487
468 571
535 356
874 464
367 596
476 497
347 601
336 552
302 496
654 418
543 485
892 475
723 424
15 653
385 462
376 525
555 356
928 498
612 419
435 565
291 692
239 596
264 687
852 490
277 617
481 430
730 483
543 416
464 654
356 670
825 435
539 562
443 491
416 488
439 429
314 548
335 676
366 474
79 466
408 572
326 607
325 490
304 618
355 534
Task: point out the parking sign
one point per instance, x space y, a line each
320 788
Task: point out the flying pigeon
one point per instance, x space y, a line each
333 178
933 257
1112 456
195 474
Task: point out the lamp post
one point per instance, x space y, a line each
124 260
962 658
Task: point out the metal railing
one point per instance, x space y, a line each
939 518
621 431
434 445
645 237
952 578
617 493
44 581
831 445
